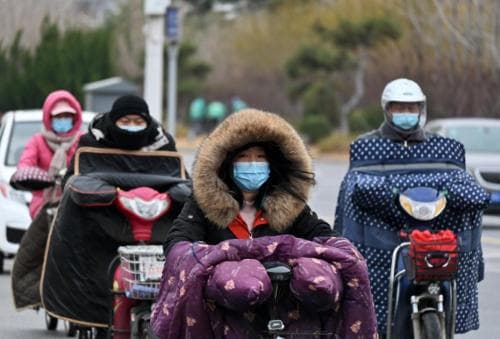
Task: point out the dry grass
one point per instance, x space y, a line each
335 143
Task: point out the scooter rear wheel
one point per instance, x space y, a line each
431 326
70 329
85 333
50 322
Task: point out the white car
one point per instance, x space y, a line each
481 138
16 128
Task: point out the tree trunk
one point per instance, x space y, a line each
359 90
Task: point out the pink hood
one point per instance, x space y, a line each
49 103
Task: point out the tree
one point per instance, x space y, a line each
61 60
342 50
71 59
311 68
14 83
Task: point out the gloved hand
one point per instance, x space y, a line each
239 285
316 284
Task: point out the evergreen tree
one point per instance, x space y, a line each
62 60
315 68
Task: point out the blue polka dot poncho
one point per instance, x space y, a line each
367 213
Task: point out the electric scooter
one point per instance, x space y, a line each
422 288
136 278
142 198
135 272
280 275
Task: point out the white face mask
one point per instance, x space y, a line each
132 128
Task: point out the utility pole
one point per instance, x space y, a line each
153 69
173 37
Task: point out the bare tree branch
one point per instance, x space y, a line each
359 90
416 23
447 23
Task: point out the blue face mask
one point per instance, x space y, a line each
405 121
250 176
62 125
132 128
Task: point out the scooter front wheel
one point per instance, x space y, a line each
144 330
431 326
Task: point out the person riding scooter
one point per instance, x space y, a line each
251 181
398 156
128 125
248 183
52 149
46 155
124 149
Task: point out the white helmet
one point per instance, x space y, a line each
404 90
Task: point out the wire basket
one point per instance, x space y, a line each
435 260
142 268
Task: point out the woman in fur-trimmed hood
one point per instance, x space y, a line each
251 178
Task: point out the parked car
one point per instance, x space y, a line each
16 128
481 138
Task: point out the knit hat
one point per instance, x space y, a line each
129 104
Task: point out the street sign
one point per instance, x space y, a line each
172 23
173 36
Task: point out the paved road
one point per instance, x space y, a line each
29 324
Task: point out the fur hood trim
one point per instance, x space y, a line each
237 130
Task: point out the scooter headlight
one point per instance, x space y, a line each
147 210
423 211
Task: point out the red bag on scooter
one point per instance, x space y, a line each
434 255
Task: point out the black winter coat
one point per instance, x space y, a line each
215 205
192 225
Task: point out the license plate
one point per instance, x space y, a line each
495 197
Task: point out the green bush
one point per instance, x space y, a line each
315 127
62 59
365 119
336 142
319 99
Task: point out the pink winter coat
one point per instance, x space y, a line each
37 152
